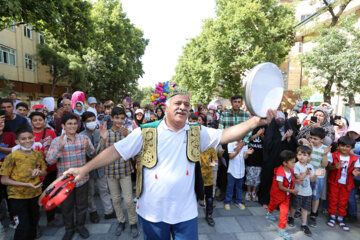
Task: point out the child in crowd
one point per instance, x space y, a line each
44 136
304 174
22 109
193 118
97 176
282 187
119 173
67 151
343 167
254 163
238 151
208 160
320 157
21 171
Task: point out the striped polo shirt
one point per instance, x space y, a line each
317 156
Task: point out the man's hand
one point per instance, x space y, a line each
62 141
78 173
35 186
59 112
270 115
2 118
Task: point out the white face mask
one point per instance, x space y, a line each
25 148
128 114
91 125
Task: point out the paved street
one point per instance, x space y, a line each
248 224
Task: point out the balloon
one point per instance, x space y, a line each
165 94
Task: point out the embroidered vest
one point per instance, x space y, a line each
148 157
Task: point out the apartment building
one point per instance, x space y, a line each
18 63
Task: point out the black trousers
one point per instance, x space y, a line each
26 216
49 178
208 191
78 201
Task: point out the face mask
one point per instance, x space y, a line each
25 148
128 114
91 125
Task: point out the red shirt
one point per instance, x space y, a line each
46 141
8 141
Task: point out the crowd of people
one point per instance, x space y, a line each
300 161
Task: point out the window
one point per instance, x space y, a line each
12 26
28 31
7 56
41 38
303 17
29 62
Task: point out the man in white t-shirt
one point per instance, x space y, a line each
167 205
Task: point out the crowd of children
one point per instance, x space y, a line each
295 154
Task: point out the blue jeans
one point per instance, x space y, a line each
230 189
161 230
352 206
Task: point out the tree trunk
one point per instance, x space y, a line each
327 92
53 85
352 108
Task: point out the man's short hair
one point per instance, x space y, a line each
318 132
236 96
22 104
87 115
23 129
33 114
67 117
117 111
136 104
193 116
6 100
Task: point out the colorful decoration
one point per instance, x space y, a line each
161 91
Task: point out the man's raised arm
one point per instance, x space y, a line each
106 157
238 131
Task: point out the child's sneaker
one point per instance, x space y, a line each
227 206
254 197
248 196
291 221
240 205
306 230
271 216
284 234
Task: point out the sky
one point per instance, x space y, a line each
168 24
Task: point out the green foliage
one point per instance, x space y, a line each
6 86
113 59
243 34
68 21
335 60
142 95
305 92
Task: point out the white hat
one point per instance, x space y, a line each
354 127
139 111
92 100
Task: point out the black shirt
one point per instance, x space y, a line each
12 125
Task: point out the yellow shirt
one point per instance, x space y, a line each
206 169
16 165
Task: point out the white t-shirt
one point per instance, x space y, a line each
345 165
168 191
305 188
237 164
281 179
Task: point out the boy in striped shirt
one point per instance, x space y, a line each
320 158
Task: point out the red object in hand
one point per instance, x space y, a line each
57 192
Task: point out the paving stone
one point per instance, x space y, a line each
227 225
249 236
257 211
203 237
255 224
234 211
98 228
203 227
222 236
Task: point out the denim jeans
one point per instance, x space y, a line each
230 189
162 231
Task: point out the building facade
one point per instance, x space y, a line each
19 65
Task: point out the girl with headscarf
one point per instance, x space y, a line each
294 125
341 127
323 122
278 137
76 97
159 113
79 108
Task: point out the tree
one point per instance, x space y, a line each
6 86
142 95
336 60
243 34
68 21
113 58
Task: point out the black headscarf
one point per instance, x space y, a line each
293 125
